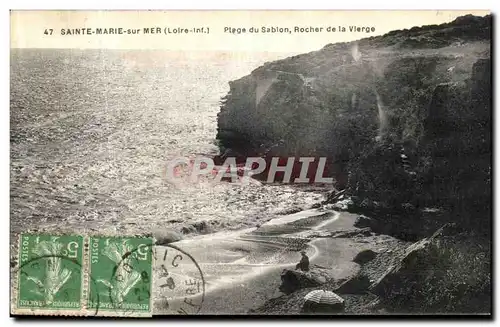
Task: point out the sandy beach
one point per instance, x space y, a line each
242 269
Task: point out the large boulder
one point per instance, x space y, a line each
447 272
404 268
359 284
292 280
364 256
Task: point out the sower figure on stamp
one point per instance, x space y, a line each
304 262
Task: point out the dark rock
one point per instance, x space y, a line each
481 71
446 272
335 196
408 207
356 285
367 206
367 203
352 233
175 221
364 257
188 230
202 227
366 222
291 210
292 280
401 271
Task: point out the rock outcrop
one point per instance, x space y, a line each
359 284
405 117
447 272
324 102
292 280
363 222
405 267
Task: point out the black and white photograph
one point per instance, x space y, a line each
254 163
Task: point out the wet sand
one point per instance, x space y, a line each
242 269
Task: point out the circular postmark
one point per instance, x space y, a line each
130 285
174 284
179 281
52 283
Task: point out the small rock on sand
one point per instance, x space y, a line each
166 236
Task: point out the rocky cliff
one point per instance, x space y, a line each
328 101
406 116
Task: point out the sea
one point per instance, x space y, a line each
91 132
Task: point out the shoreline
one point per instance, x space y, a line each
254 279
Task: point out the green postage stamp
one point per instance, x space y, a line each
78 275
121 271
50 276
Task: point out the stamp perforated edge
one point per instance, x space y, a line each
118 312
15 280
86 279
153 263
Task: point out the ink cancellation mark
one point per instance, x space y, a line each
179 282
122 269
49 277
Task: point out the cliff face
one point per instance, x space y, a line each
380 85
406 115
449 168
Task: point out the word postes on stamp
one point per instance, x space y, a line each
122 270
49 277
105 276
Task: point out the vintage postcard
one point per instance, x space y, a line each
250 163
